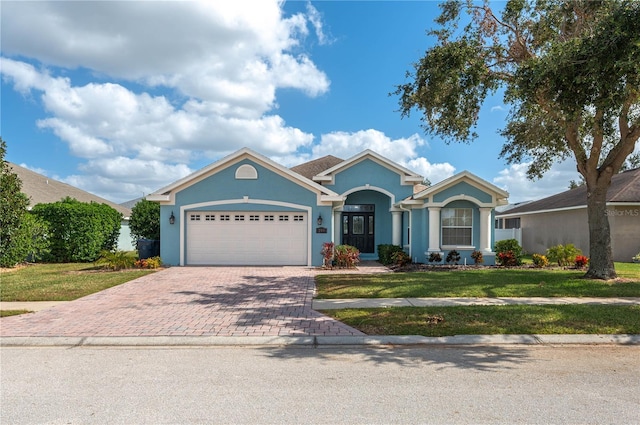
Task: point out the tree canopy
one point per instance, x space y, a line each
570 71
145 220
13 207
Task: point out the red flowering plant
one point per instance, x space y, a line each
507 259
581 261
327 254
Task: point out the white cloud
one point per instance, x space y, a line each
435 173
172 80
403 151
316 20
514 180
345 145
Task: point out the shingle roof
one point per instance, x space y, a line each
625 187
43 190
317 166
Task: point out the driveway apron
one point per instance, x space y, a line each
191 301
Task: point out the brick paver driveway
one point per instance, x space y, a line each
190 301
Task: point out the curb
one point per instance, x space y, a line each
317 341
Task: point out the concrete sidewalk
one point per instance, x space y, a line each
319 340
328 304
335 304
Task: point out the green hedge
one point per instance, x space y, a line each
79 231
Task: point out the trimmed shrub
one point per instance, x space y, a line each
400 258
79 231
435 257
581 261
509 246
149 263
563 254
386 251
477 257
540 261
327 254
507 259
453 257
346 256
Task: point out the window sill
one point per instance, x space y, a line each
458 247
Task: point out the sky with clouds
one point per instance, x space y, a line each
123 98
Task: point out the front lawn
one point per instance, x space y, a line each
492 320
483 282
60 282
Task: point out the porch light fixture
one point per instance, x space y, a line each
319 221
172 218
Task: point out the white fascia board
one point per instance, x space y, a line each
406 174
332 198
460 177
578 207
158 198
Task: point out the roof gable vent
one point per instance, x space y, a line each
246 172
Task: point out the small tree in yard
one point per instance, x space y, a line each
145 221
571 73
13 206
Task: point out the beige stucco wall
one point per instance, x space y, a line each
544 230
625 232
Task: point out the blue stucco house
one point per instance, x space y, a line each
246 209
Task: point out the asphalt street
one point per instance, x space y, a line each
576 384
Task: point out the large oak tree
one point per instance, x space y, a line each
570 71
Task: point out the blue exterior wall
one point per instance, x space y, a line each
377 176
462 188
223 186
370 172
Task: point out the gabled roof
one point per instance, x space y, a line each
625 187
501 195
44 190
316 166
407 175
165 194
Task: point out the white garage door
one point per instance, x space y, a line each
247 238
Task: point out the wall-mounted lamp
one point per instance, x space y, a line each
172 218
319 221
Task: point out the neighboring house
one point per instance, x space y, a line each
43 190
562 218
248 210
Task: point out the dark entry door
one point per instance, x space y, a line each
358 228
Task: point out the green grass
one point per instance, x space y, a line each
60 282
7 313
492 320
483 282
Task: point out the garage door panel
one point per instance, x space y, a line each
247 238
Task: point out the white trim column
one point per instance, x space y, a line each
485 229
434 229
337 227
396 228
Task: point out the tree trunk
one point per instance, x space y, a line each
601 258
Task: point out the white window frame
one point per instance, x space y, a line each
456 218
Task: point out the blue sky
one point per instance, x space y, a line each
122 98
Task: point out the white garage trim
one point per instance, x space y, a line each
245 200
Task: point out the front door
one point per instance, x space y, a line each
358 227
